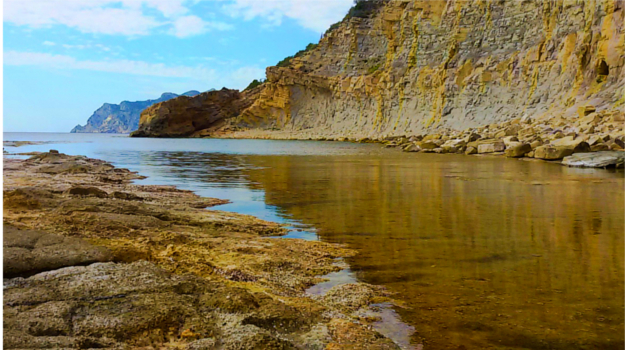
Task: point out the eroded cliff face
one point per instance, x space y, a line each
419 66
193 116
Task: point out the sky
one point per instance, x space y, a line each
62 59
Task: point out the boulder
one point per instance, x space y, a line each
599 147
432 137
509 140
471 137
536 143
576 145
453 145
549 152
427 144
585 110
470 150
491 147
29 252
518 150
411 148
594 139
596 159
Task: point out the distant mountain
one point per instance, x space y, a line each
124 117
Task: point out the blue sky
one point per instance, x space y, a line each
64 58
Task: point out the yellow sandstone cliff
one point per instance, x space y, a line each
408 67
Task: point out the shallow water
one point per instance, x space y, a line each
481 252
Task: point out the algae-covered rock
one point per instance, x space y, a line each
27 252
139 305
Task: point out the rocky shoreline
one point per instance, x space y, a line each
94 261
592 139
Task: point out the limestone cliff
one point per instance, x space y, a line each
193 116
121 118
407 67
413 65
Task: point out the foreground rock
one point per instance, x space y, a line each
141 305
27 252
182 276
596 160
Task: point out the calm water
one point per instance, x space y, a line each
482 252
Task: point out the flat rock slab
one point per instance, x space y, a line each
29 252
595 159
138 305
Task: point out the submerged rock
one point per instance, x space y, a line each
596 159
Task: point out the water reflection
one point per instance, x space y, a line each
484 252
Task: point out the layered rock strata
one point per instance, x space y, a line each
422 67
419 66
194 116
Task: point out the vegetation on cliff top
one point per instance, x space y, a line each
287 60
361 9
254 84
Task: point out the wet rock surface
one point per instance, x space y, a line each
148 266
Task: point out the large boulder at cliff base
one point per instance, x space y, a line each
491 146
518 150
596 159
549 152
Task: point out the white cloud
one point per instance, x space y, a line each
236 78
93 16
80 47
116 17
244 75
316 15
142 17
186 26
20 58
103 47
49 43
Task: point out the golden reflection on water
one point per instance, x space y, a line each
483 252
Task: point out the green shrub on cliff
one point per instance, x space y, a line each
254 84
361 9
287 60
373 69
